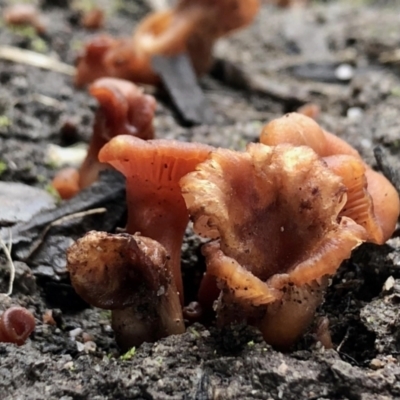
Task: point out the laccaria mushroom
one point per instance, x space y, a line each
16 325
123 110
156 207
380 199
192 26
130 275
274 213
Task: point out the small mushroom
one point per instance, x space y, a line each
274 215
130 275
93 18
192 26
156 207
24 14
300 130
16 325
123 110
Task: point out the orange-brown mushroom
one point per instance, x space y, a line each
275 215
130 275
384 208
24 14
192 26
16 325
93 18
156 207
123 110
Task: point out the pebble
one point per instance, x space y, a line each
376 364
344 72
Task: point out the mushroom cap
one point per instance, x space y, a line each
265 201
90 65
16 325
384 209
160 162
359 205
276 214
386 202
66 182
117 271
24 14
225 15
296 129
124 108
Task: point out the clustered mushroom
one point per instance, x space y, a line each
281 217
123 110
273 215
16 325
191 27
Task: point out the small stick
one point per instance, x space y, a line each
34 59
7 252
60 221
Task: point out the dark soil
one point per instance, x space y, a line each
286 59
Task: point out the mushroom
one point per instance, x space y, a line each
274 215
379 194
130 275
192 26
123 110
24 14
156 207
16 325
93 18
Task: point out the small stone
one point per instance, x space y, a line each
389 284
80 346
376 364
75 332
344 72
355 113
89 347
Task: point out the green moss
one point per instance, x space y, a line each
39 45
395 91
36 42
49 188
4 121
128 355
3 167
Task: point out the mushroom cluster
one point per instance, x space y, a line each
281 217
191 27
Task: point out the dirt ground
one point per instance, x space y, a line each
341 55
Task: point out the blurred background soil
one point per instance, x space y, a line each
341 55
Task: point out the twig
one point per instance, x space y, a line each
7 252
60 221
34 59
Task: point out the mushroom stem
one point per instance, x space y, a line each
156 207
132 327
163 218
